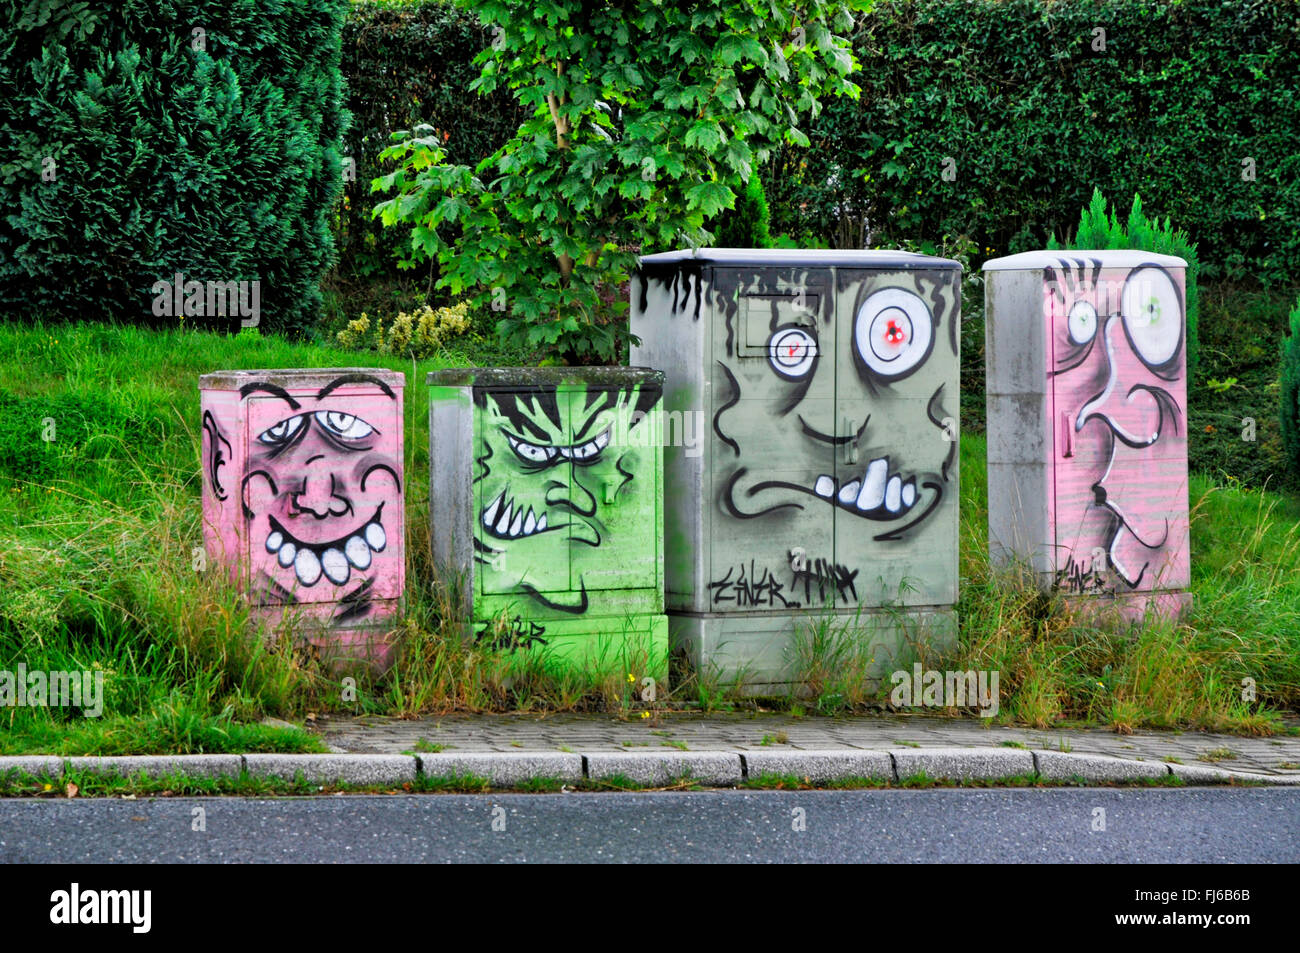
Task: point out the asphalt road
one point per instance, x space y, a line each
1191 825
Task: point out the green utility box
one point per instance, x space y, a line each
810 422
545 501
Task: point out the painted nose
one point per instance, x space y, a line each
319 494
572 495
1131 412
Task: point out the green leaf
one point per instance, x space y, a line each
710 198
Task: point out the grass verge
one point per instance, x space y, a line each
101 570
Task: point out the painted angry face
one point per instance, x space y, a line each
830 399
322 491
1119 410
561 484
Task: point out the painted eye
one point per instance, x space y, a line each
1082 322
1153 314
343 425
282 432
531 451
588 451
792 352
894 332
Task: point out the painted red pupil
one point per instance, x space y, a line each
893 333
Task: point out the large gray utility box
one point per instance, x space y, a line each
810 416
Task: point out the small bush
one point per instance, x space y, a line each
416 334
1289 411
748 225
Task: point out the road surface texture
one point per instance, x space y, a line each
1190 825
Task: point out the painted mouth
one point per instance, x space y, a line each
503 519
334 560
877 495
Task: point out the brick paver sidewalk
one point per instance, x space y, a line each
466 734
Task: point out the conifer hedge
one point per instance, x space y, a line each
146 138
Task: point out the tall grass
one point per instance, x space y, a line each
99 531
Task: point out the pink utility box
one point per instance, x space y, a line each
1087 424
302 499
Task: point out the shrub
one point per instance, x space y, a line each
1097 229
1289 410
1234 427
144 138
416 334
748 225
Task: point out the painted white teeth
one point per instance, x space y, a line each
358 552
602 441
307 566
274 542
893 493
336 566
909 492
849 491
507 519
376 537
825 486
287 553
873 484
490 514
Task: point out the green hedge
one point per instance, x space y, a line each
407 63
215 154
1034 118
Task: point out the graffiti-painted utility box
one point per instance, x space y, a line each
810 431
546 509
1087 423
302 499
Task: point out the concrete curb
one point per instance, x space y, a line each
821 766
157 766
1061 766
504 769
649 768
655 769
963 764
360 769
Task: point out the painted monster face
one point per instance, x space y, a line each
1118 365
321 492
553 468
831 402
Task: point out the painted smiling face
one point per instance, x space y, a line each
321 492
1120 416
834 399
562 491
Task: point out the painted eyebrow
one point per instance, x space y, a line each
355 379
272 389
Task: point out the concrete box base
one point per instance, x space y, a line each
1117 611
627 645
764 653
